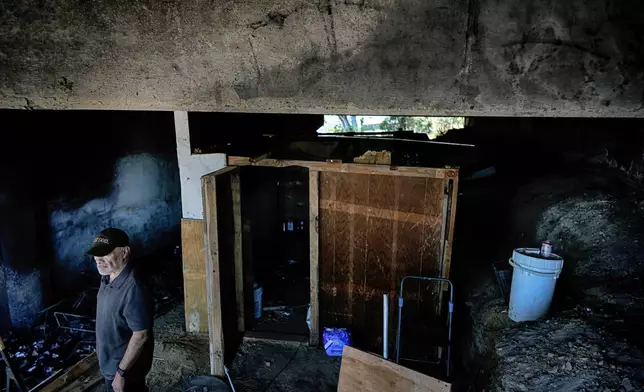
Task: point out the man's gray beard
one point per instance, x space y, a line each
101 273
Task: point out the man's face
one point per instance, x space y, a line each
112 262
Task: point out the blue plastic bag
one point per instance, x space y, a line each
334 340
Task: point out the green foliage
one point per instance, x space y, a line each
415 124
338 129
432 126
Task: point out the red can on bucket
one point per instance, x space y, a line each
546 249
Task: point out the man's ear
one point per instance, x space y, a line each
126 252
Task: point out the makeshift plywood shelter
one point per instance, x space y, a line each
367 227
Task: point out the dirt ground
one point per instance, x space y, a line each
284 367
258 366
588 341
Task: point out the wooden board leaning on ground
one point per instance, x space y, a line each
78 378
368 373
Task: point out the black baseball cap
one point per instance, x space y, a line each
107 240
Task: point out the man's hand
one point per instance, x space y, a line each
118 385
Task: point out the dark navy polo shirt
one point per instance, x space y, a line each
124 305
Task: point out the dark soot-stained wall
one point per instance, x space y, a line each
64 176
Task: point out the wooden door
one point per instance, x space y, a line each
222 234
374 230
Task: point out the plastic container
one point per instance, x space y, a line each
533 283
334 340
258 291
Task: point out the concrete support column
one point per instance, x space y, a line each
191 169
20 275
5 315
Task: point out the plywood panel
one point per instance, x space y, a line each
357 239
423 314
314 249
79 369
381 254
213 275
227 241
194 275
238 248
376 229
450 226
327 239
362 372
348 168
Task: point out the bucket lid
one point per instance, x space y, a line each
531 259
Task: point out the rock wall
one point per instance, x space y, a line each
463 57
60 188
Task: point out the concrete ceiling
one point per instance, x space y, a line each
440 57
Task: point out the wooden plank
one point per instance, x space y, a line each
74 372
194 275
410 245
275 337
359 196
238 247
314 257
249 275
368 373
327 253
447 259
85 382
430 294
355 168
343 267
391 214
213 286
382 248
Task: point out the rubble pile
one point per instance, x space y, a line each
595 222
40 358
65 332
566 353
590 340
57 341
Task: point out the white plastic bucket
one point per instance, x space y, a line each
257 295
533 283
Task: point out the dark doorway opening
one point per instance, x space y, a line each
275 217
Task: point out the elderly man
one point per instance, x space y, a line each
124 315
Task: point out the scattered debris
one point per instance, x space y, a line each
374 158
334 340
293 368
271 308
37 360
580 353
503 273
75 322
57 341
64 333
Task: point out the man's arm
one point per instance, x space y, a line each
132 353
134 349
138 315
